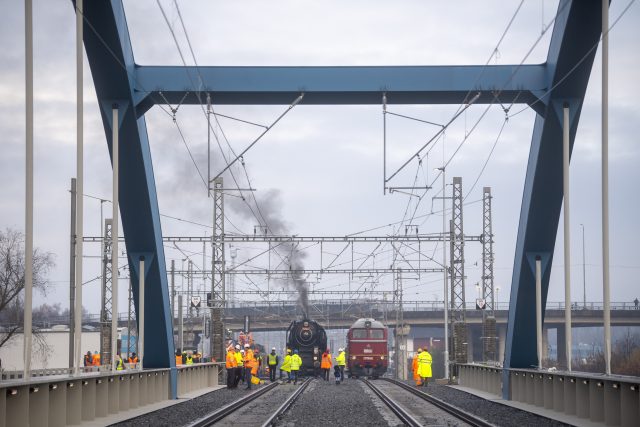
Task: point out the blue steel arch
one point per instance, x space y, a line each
118 79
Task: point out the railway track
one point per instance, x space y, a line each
231 409
416 417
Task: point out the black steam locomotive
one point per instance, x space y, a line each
310 339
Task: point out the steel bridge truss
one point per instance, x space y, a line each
561 79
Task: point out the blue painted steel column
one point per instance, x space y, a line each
110 56
576 31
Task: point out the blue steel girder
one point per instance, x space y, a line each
577 30
118 79
340 85
110 57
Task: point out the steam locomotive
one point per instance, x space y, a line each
310 339
367 351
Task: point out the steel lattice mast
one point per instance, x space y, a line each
458 310
488 316
106 295
218 269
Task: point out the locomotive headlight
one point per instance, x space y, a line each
381 357
315 357
353 358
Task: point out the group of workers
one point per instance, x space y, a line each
422 367
244 365
338 369
188 357
94 360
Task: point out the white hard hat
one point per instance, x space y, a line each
237 346
341 349
246 346
273 349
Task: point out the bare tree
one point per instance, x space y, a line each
12 278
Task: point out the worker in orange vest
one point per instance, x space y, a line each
133 358
325 365
231 366
249 365
178 357
96 359
414 368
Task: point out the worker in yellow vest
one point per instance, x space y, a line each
424 366
341 362
272 361
296 363
286 365
239 367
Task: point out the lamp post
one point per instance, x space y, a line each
497 289
445 274
584 274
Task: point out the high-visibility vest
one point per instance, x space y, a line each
96 359
341 359
286 365
238 356
248 357
119 365
326 361
133 359
231 360
424 364
178 359
273 359
296 362
189 360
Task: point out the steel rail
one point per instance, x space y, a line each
287 403
447 407
404 416
214 417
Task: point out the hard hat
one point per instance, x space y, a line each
295 351
341 349
288 350
419 350
246 346
273 349
237 346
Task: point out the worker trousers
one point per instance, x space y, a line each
247 377
272 372
231 377
294 376
325 374
237 375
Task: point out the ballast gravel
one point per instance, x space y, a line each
187 412
495 413
324 403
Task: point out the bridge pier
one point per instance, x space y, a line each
561 348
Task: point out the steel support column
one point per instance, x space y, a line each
569 61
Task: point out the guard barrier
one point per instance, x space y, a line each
612 400
70 400
197 376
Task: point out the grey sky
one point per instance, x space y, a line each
324 162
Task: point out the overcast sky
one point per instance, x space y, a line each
319 171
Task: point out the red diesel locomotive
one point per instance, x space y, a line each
367 351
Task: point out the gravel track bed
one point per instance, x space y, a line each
495 413
324 403
186 412
424 412
256 413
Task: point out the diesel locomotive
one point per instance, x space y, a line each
367 350
310 339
